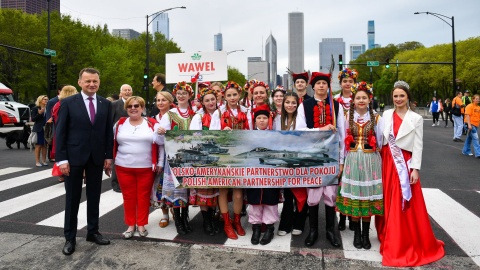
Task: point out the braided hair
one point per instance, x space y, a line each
363 86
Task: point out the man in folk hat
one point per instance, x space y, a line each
300 81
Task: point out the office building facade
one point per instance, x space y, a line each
257 69
371 34
296 48
218 42
356 50
271 58
127 34
31 6
328 48
161 24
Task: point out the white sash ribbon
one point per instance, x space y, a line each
401 166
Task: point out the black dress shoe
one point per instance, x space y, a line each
69 248
97 239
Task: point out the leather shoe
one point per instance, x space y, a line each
97 239
69 247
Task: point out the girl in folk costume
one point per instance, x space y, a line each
361 191
277 95
263 201
405 233
260 93
207 118
292 218
218 88
323 113
300 80
247 100
347 79
164 100
233 116
178 118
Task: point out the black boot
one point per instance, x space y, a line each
357 235
365 235
244 210
256 234
313 221
350 224
179 222
186 219
268 235
330 220
341 222
207 223
214 221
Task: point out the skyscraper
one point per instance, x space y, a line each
161 24
356 50
271 58
218 42
296 48
31 6
371 34
328 48
128 34
257 69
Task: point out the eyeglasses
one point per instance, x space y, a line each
136 106
182 94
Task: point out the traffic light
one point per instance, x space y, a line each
340 62
53 76
145 79
387 63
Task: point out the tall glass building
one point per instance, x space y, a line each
161 24
31 6
218 42
271 58
356 50
296 48
371 34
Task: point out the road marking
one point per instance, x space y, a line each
456 220
25 179
351 252
28 200
12 170
169 232
279 243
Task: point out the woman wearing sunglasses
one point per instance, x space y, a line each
136 153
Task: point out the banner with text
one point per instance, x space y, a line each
252 158
211 66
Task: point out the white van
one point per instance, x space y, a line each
12 112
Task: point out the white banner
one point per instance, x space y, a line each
212 66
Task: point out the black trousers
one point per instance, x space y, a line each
291 217
73 188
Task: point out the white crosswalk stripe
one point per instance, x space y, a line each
452 217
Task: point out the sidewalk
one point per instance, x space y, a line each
24 251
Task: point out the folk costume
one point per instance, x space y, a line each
319 113
405 233
361 190
301 76
177 198
263 201
206 198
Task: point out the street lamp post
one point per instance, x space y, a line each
147 45
234 51
454 50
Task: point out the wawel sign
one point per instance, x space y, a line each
212 66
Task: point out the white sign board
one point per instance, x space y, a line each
212 66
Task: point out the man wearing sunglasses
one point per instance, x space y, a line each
118 111
84 135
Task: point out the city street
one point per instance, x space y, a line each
32 205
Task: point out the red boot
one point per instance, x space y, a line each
227 227
238 225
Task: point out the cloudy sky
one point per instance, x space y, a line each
246 24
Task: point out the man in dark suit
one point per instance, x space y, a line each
159 85
84 137
118 111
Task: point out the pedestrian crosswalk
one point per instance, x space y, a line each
19 202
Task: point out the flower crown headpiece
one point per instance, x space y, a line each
401 83
347 73
232 84
363 86
205 91
182 86
280 88
258 83
249 83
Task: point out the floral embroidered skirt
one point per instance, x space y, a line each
204 196
361 189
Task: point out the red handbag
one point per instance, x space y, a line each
56 170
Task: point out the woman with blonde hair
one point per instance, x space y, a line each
38 116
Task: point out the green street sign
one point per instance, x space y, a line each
373 63
49 52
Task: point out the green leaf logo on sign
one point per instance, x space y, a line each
196 56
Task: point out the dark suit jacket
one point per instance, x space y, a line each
77 138
39 119
118 110
50 104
